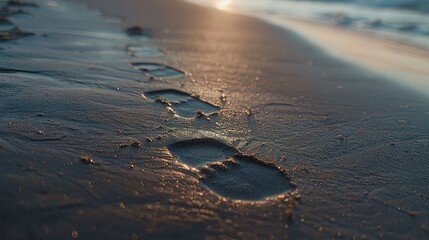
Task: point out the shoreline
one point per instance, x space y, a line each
401 62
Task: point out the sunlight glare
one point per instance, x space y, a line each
223 4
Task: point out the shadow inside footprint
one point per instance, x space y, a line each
13 34
196 152
158 70
183 104
245 178
138 31
170 95
6 11
5 22
4 28
143 51
16 3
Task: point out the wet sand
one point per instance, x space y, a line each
223 127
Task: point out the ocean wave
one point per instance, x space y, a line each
415 5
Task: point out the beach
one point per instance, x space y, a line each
167 120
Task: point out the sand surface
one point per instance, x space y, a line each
201 125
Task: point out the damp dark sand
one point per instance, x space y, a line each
197 124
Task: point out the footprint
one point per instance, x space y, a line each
15 3
5 22
156 70
6 26
229 173
13 34
246 178
143 51
15 71
181 103
138 31
6 11
196 152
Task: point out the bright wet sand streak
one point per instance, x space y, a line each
407 65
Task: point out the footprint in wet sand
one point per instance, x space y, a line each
181 103
196 152
143 51
156 70
5 22
8 31
229 173
13 34
10 8
5 12
15 3
246 178
138 31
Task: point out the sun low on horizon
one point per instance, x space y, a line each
223 4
